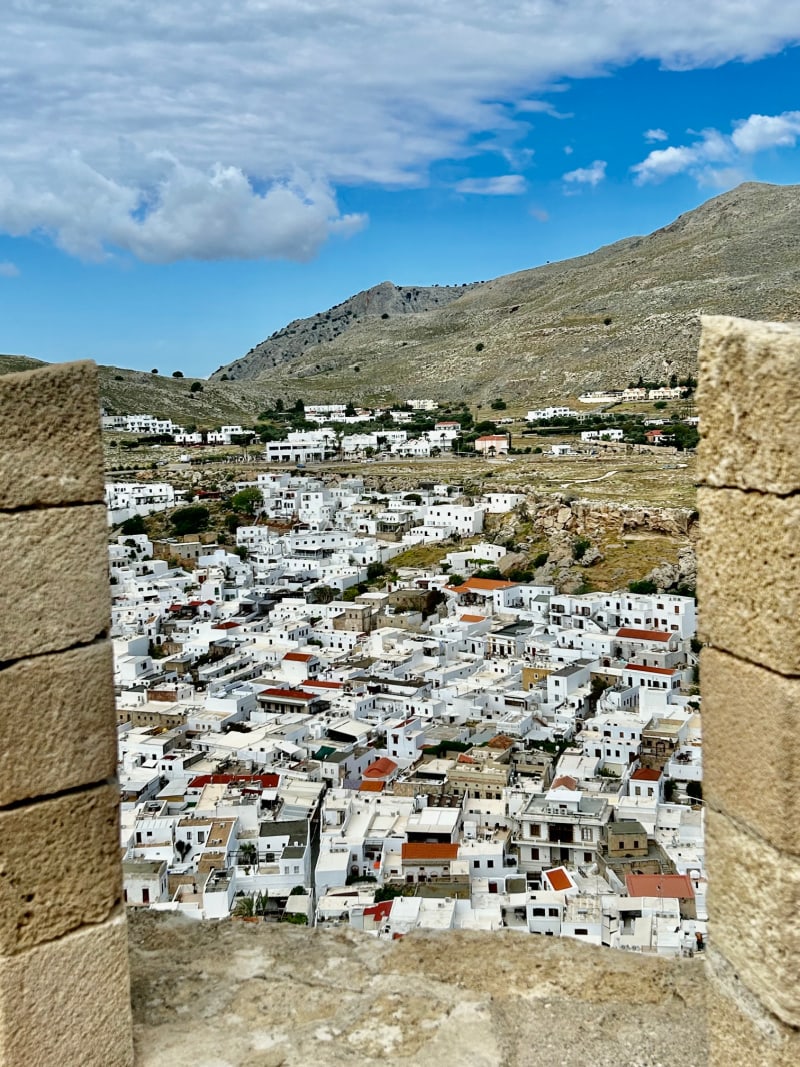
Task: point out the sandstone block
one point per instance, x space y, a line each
57 723
748 586
53 584
59 866
749 396
68 1001
754 907
740 1030
747 711
52 450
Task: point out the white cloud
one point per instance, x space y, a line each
539 214
568 149
502 185
588 175
760 132
199 129
656 135
9 270
719 159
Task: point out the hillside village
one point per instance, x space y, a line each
309 734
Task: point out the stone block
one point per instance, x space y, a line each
59 866
748 710
53 579
52 448
754 908
68 1001
740 1030
749 396
57 723
748 576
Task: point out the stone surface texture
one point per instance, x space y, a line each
52 450
749 394
67 1003
260 995
59 867
754 902
54 579
742 1032
746 707
70 695
748 582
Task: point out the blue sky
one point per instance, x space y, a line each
181 179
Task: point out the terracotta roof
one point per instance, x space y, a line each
565 781
660 885
501 741
642 635
319 684
429 850
229 625
381 768
298 657
649 670
644 774
372 786
472 618
286 694
482 585
558 879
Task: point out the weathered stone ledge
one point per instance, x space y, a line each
254 995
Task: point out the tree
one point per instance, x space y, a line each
644 586
192 519
177 374
579 547
133 525
248 501
154 370
498 404
694 790
196 387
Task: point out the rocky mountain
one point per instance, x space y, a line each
629 309
603 319
302 336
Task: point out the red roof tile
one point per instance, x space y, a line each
381 768
558 879
298 657
372 786
660 885
429 850
642 635
649 670
644 774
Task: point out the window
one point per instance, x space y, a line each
635 844
475 865
581 931
587 857
553 913
534 853
490 864
538 912
586 833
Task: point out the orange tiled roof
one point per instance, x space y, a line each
376 785
381 768
558 879
482 585
642 635
660 885
429 850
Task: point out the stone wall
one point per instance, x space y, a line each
226 994
749 602
64 991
